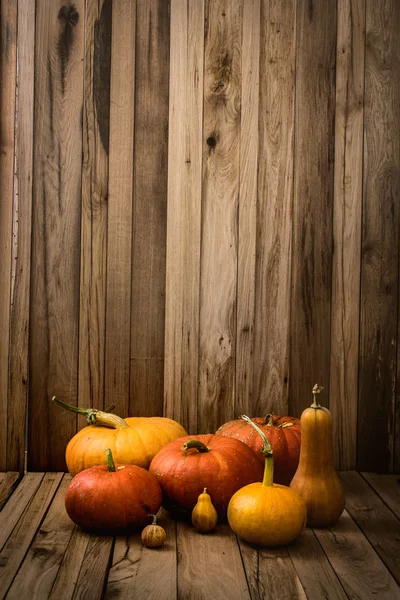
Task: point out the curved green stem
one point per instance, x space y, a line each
110 461
268 479
195 444
95 417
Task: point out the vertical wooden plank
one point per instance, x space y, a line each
313 197
22 225
119 229
380 238
347 211
96 116
54 307
184 213
218 285
8 66
274 207
150 209
247 207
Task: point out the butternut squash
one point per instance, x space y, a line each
315 479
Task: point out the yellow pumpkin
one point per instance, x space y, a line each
132 441
315 479
266 513
204 515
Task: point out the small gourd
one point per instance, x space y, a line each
204 515
315 479
153 536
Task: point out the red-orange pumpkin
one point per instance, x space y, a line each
283 433
112 498
189 464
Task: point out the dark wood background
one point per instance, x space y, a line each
199 216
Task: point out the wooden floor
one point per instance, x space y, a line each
43 555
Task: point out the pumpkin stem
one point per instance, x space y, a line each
269 419
95 417
267 452
195 444
110 461
154 519
317 389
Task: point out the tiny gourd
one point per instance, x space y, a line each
315 479
204 515
153 536
267 513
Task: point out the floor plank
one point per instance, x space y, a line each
95 565
388 488
39 570
23 533
209 564
132 574
380 526
8 483
360 570
68 573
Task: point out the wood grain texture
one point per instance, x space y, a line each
380 242
347 212
132 573
37 573
8 68
207 563
270 573
56 211
8 482
380 526
274 207
247 225
313 198
120 194
182 302
360 570
68 573
150 167
218 282
22 225
96 125
93 573
13 552
388 488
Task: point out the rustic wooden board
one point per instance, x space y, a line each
54 307
68 573
8 482
388 488
119 228
139 572
93 573
96 122
17 545
8 67
37 573
209 562
182 301
274 207
312 204
270 573
150 209
347 209
314 569
247 207
360 570
380 247
380 526
218 283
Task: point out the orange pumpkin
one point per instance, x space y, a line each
133 441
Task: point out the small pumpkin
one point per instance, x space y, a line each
133 441
204 515
153 536
112 499
283 433
316 480
187 465
266 513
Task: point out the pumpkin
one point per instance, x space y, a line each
153 536
133 441
204 515
315 479
266 513
187 465
283 434
112 499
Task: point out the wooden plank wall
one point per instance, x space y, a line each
199 216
